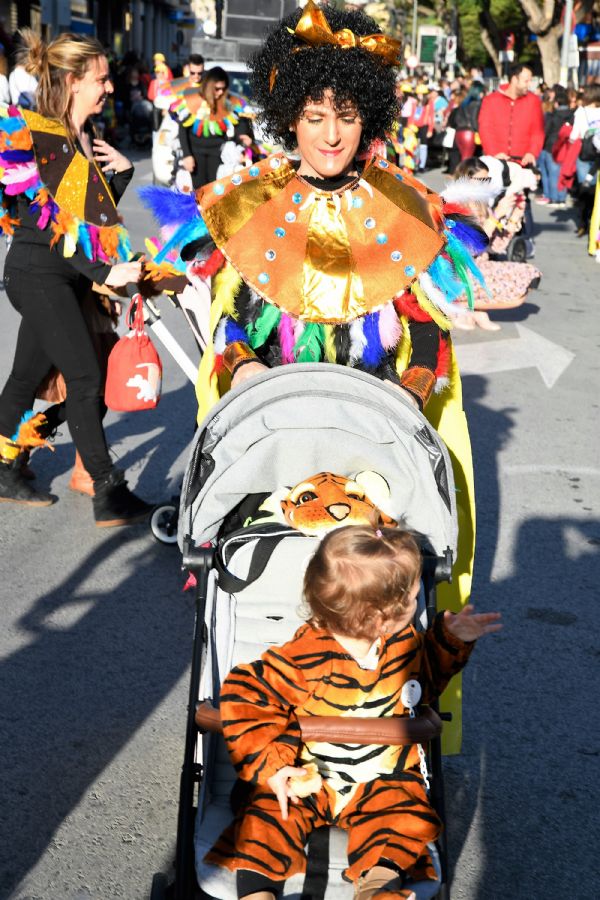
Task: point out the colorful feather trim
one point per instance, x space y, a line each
330 351
263 327
202 121
390 329
206 268
358 341
234 332
373 352
287 339
177 211
20 176
309 346
469 234
27 435
168 207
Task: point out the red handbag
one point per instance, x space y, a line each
134 374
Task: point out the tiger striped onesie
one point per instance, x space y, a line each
375 792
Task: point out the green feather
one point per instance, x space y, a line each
264 325
463 274
309 346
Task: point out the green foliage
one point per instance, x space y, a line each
501 16
473 53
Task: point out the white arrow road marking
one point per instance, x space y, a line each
529 349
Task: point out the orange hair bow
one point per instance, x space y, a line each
313 28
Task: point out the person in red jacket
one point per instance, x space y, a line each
511 126
511 120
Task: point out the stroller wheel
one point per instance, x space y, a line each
163 523
160 883
517 250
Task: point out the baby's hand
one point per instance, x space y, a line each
467 625
280 785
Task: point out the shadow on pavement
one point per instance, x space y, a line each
85 688
169 430
526 781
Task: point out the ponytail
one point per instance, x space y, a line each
51 64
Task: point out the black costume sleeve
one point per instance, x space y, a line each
244 126
95 271
425 340
119 182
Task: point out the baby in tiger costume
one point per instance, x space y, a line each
354 656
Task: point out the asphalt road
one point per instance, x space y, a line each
96 633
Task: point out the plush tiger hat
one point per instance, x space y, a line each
326 501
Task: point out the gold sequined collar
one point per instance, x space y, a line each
324 256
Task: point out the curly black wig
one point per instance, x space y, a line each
303 73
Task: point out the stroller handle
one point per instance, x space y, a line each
388 730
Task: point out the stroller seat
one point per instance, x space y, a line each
242 623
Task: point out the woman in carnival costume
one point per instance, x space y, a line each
208 117
332 259
60 208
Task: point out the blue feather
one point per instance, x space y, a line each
234 332
16 155
458 250
373 352
473 238
124 247
10 124
444 278
168 207
24 418
185 234
85 241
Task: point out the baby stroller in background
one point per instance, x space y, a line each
194 302
513 244
166 152
140 124
270 432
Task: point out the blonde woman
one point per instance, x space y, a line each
61 204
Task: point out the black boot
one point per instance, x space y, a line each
114 504
15 489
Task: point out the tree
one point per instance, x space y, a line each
483 25
544 20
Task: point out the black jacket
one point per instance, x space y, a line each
553 122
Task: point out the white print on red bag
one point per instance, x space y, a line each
134 372
149 387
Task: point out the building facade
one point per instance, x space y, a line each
146 26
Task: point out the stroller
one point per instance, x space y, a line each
517 182
194 303
270 432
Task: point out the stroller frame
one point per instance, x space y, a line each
185 887
199 560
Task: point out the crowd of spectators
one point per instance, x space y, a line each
548 128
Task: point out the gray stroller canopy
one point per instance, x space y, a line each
297 420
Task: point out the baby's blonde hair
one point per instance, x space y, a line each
68 54
358 575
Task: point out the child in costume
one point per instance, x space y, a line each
358 655
61 207
507 283
326 258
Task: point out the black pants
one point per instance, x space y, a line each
206 167
53 332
